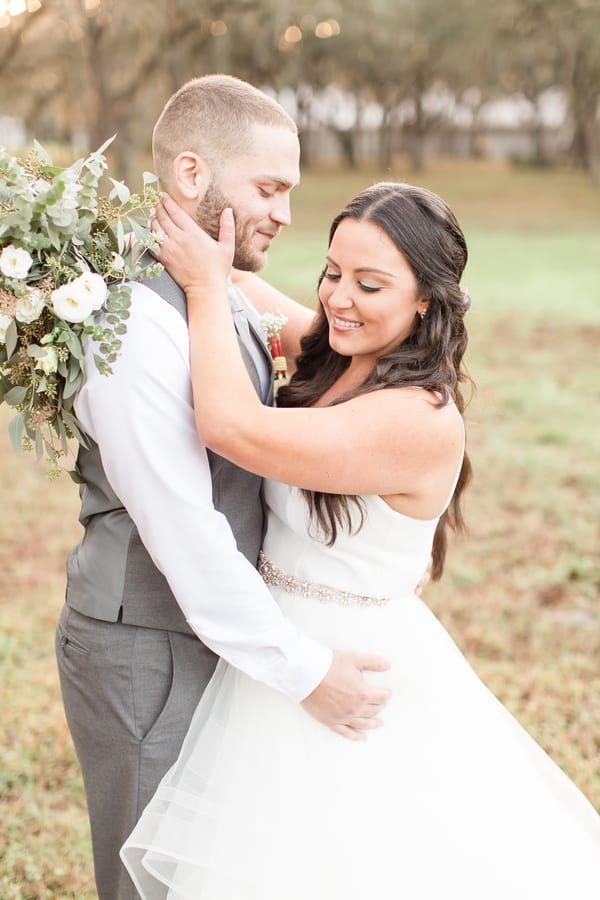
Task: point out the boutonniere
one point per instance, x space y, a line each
272 323
66 257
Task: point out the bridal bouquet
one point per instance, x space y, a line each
65 255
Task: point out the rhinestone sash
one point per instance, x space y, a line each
311 590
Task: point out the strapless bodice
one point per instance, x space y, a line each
384 558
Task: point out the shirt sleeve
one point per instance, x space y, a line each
142 419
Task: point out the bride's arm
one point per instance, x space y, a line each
386 442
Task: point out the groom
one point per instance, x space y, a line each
164 579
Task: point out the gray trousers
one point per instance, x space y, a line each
129 695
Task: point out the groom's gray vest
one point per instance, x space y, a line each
110 575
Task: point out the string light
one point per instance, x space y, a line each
292 34
13 8
218 28
327 29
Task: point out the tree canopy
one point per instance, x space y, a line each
85 69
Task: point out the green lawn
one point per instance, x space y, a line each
521 594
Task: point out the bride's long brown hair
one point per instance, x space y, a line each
425 231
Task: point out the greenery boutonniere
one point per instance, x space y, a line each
272 323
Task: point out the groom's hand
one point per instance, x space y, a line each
345 701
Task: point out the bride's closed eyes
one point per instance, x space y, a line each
367 288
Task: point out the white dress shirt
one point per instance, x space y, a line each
142 419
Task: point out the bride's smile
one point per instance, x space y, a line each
369 293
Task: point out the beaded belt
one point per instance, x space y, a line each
311 590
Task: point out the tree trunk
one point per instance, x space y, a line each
584 102
540 156
346 141
385 141
417 153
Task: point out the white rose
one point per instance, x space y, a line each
48 363
72 302
95 287
15 262
4 323
28 308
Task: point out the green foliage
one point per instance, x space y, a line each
66 255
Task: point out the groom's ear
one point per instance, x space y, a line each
191 176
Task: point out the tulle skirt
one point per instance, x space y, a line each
450 799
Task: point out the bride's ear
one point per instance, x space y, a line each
191 175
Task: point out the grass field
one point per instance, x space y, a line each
522 590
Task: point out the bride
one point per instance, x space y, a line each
365 467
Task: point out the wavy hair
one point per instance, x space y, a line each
426 232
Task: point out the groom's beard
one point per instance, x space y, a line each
208 215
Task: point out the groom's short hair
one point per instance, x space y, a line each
211 116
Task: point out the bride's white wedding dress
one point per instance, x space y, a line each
450 800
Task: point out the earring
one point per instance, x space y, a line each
422 313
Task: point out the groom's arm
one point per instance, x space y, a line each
142 419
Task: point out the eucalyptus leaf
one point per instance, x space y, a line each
104 146
71 387
120 236
29 431
139 231
102 365
74 426
73 343
15 430
39 445
74 371
37 352
54 235
11 339
62 434
76 476
41 154
16 395
50 451
120 190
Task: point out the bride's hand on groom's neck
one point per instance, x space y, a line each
197 262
